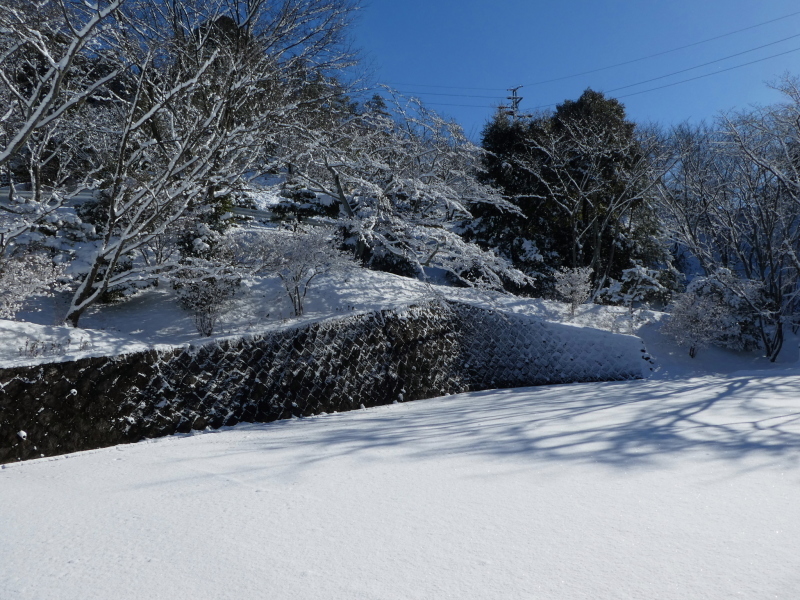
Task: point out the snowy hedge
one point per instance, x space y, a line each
337 365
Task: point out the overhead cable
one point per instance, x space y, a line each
649 56
625 87
752 62
661 87
627 62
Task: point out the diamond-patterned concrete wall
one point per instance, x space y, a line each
504 350
393 355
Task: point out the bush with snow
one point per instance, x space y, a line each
24 275
205 289
710 313
638 286
297 257
574 285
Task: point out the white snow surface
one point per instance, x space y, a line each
668 489
153 320
684 485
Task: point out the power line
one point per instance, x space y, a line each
410 92
752 62
627 62
649 56
451 87
624 87
655 78
661 87
460 105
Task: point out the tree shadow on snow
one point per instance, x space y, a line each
620 424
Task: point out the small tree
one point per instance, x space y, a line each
297 257
709 313
638 286
24 275
695 322
574 286
205 289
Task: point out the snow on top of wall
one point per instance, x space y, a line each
153 320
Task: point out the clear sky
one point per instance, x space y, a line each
431 48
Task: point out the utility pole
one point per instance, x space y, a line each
512 110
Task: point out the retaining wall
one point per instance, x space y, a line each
393 355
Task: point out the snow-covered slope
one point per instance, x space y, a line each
682 486
650 489
153 320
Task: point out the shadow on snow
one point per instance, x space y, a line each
621 424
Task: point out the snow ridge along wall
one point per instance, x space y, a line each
378 358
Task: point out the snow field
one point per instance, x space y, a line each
668 489
681 486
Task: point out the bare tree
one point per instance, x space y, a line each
204 87
734 204
42 44
297 257
574 286
404 178
52 61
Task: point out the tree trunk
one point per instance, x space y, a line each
84 291
776 343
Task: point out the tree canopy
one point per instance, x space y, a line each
582 177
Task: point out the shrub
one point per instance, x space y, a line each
708 312
574 285
205 289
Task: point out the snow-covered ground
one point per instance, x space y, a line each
685 485
153 319
679 488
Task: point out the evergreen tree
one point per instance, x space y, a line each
582 176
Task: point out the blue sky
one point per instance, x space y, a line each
415 45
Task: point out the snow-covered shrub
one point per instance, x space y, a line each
637 286
298 202
695 321
22 276
574 285
404 248
297 257
33 348
202 229
379 258
205 289
709 312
